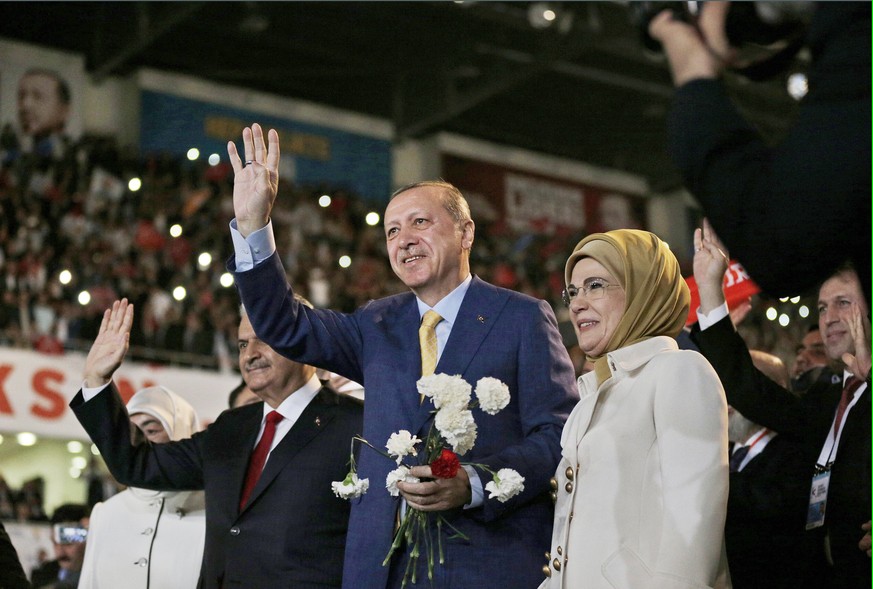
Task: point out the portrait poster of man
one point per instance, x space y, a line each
41 95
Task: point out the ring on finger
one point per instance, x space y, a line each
248 163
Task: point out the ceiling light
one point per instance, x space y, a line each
541 15
544 15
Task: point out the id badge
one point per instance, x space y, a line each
818 497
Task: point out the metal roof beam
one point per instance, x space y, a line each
147 33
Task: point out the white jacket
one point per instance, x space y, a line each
143 539
642 485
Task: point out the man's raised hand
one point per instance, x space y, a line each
256 178
110 346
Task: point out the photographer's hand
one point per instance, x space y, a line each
695 52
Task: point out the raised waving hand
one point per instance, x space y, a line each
256 178
109 348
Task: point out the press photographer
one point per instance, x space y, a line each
791 213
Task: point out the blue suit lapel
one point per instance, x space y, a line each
402 321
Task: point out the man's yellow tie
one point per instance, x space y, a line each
428 340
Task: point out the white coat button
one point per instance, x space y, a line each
142 562
147 532
234 531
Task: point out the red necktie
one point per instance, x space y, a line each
259 456
852 384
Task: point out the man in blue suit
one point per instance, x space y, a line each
484 331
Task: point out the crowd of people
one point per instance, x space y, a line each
668 462
76 213
56 214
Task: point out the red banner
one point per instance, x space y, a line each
737 285
530 202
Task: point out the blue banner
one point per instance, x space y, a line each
311 153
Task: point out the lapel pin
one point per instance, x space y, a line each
480 319
317 422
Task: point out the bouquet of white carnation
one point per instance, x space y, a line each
453 425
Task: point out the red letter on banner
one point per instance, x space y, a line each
127 390
56 399
5 407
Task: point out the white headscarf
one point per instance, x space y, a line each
175 413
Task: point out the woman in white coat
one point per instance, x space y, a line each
142 539
643 481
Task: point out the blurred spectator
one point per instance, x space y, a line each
242 395
769 487
69 537
7 500
30 500
101 484
810 361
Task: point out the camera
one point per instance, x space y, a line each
69 533
766 35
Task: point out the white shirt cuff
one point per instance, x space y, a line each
89 393
707 320
478 494
254 249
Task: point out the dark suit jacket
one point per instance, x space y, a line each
793 212
764 527
292 531
807 419
497 333
45 575
11 573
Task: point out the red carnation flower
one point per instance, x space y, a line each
446 466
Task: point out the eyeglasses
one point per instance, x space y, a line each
594 290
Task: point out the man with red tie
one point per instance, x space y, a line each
831 421
266 468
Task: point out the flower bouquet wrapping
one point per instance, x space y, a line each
452 434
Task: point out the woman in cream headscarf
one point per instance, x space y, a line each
143 539
643 480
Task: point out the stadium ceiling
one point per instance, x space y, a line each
581 88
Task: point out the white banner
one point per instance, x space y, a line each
536 202
35 390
